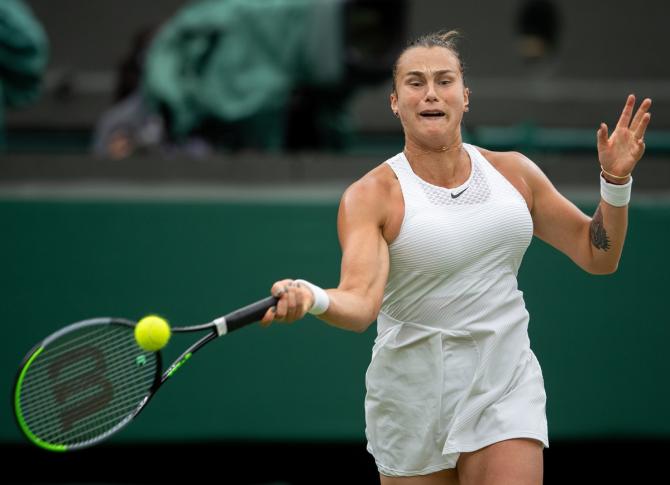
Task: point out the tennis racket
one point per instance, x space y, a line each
88 380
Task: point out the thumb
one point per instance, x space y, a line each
602 135
268 317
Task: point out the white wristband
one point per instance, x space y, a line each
321 299
616 195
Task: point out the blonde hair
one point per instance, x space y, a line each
443 38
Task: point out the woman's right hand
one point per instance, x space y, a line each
295 299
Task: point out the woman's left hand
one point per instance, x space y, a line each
620 152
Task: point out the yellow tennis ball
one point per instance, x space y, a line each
152 333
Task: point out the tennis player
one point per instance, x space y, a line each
432 240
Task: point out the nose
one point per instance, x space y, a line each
431 96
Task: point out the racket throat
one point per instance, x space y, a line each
177 365
221 326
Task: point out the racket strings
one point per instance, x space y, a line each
97 340
89 336
52 406
96 428
86 384
40 408
86 415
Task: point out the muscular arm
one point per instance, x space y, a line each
356 301
594 244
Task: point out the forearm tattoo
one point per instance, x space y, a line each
598 234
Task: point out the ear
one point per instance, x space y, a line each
466 97
394 103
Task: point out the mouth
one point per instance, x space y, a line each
432 113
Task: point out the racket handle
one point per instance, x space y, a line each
246 315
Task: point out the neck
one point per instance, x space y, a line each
445 165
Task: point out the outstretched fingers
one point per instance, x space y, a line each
627 113
624 148
640 114
641 120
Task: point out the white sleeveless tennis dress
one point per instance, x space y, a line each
452 369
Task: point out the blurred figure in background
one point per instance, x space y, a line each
132 126
23 57
539 28
270 75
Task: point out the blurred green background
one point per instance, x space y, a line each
600 339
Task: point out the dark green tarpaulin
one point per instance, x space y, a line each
239 60
23 56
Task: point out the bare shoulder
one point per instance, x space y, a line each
372 191
375 199
518 169
514 161
377 181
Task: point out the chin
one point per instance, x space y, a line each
442 131
431 136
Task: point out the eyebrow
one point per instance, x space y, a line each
437 73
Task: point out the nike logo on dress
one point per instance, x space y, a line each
455 196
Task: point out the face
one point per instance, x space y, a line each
430 97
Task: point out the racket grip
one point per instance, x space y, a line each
249 314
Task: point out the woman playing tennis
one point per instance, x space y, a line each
432 240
